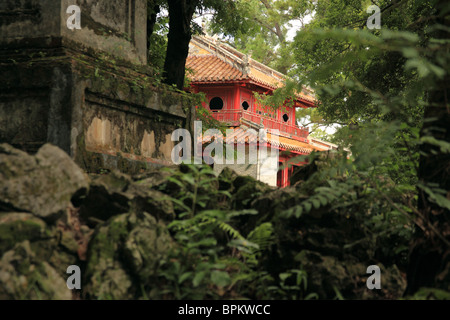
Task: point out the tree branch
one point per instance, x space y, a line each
278 32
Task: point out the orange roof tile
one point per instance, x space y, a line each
268 80
290 144
241 135
211 68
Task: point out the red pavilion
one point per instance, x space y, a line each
229 80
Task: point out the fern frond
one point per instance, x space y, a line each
262 235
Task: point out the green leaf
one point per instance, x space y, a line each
434 195
184 277
339 296
199 276
312 296
410 52
441 201
226 193
207 242
220 278
431 293
323 200
316 203
188 179
307 205
176 181
332 183
443 145
202 204
242 212
207 181
243 243
298 210
181 204
284 276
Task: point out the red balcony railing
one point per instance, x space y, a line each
234 116
227 116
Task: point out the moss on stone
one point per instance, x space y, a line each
129 246
26 276
17 227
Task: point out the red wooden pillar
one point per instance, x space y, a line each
280 175
236 103
237 98
285 175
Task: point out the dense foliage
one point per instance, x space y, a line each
232 233
387 90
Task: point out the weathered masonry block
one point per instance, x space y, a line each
88 91
117 27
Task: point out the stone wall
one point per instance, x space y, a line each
117 27
88 91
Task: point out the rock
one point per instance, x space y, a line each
329 277
117 193
16 227
54 245
178 183
43 184
24 276
105 276
107 197
146 245
226 179
124 255
154 177
247 189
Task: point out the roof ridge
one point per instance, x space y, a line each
221 53
246 60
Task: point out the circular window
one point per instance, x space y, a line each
285 117
245 105
216 103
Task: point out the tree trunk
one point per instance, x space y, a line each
429 261
180 16
151 20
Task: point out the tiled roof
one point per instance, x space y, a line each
214 61
266 79
243 136
292 144
211 68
